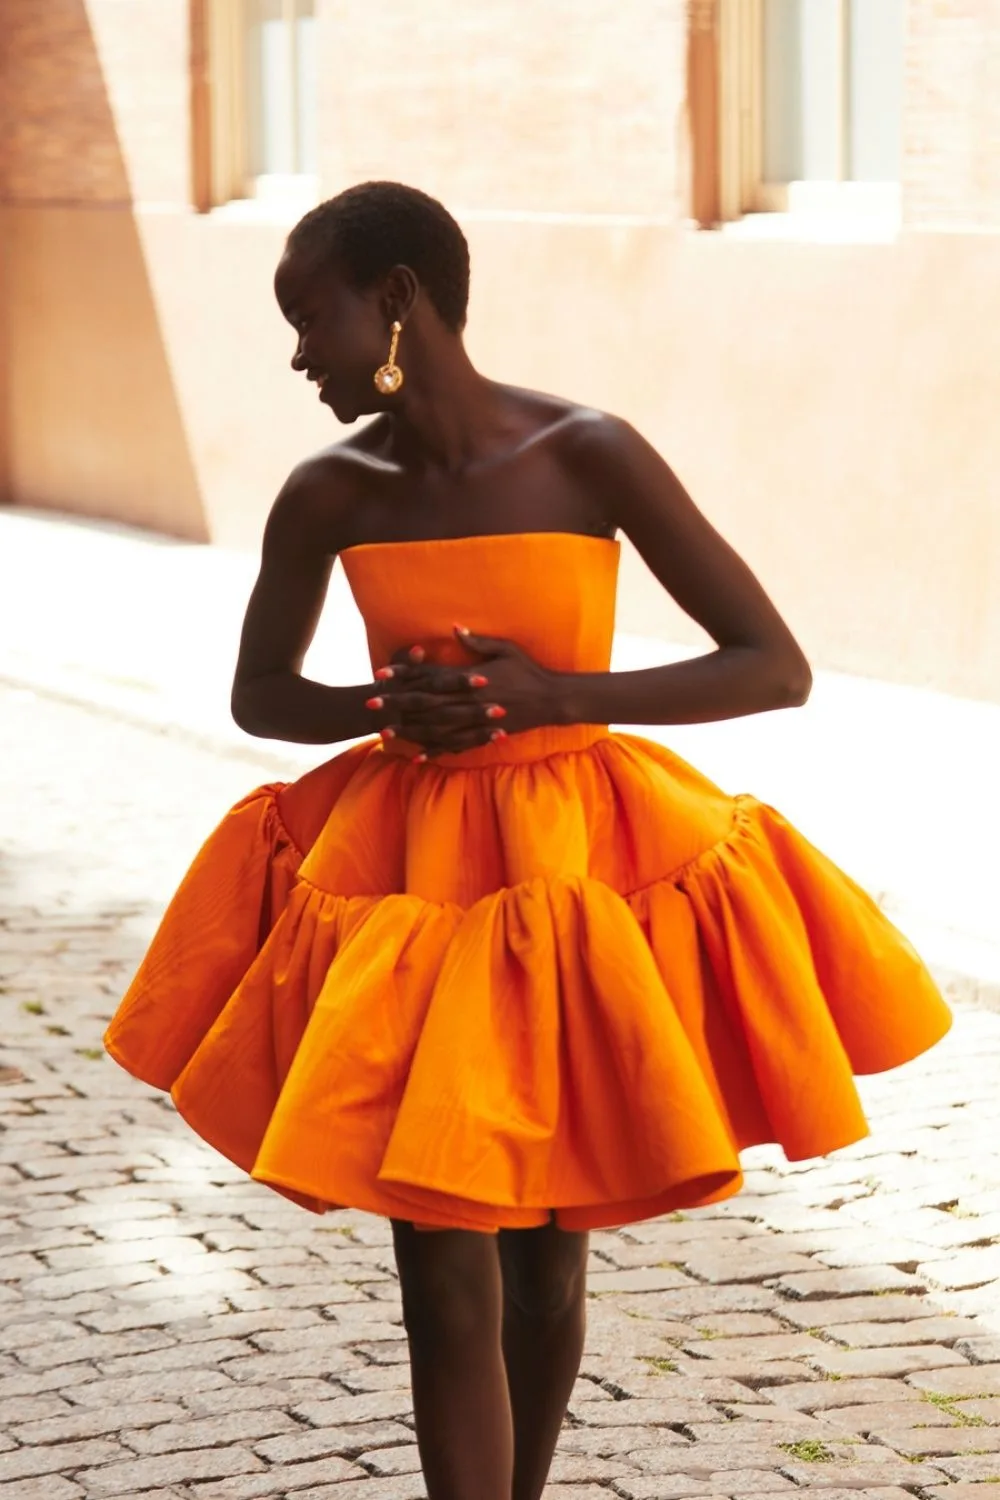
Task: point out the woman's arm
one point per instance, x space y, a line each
758 664
269 697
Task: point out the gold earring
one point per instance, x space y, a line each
389 377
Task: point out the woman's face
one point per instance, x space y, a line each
343 334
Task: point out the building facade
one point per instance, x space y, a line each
767 232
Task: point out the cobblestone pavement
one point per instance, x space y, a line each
170 1329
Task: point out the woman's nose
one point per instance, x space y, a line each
298 363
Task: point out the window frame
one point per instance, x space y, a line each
220 114
726 101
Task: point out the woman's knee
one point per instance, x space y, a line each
544 1272
450 1284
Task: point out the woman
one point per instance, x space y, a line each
498 974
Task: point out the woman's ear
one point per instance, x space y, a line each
400 292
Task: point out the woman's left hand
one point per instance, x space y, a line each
449 709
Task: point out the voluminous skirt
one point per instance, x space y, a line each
479 996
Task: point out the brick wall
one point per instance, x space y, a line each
951 172
93 103
574 106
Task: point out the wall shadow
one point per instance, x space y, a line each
91 411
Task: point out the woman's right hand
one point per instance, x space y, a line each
443 709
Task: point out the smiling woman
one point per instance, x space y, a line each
498 971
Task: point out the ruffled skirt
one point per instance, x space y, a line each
483 995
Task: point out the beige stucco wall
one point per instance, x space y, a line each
831 407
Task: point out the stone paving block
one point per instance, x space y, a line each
734 1452
980 1349
576 1492
346 1410
733 1325
609 1442
721 1486
136 1474
18 1336
983 1467
27 1463
769 1414
328 1475
42 1357
968 1268
755 1374
32 1383
959 1491
102 1421
366 1380
642 1279
937 1330
17 1409
988 1408
938 1441
870 1469
176 1356
637 1412
245 1397
206 1432
864 1250
761 1348
745 1262
796 1426
317 1295
696 1300
346 1441
822 1395
814 1286
899 1360
101 1390
255 1368
902 1416
866 1309
46 1487
641 1378
573 1469
154 1314
965 1380
686 1227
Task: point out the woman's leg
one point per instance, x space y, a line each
544 1320
452 1309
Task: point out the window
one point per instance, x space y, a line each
261 71
806 100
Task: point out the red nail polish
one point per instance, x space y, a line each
462 629
478 680
383 674
387 733
496 712
418 760
499 734
374 703
417 653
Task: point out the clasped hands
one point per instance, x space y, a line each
447 709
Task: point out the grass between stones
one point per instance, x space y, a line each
810 1451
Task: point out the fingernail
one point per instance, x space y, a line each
387 733
499 734
418 760
374 703
383 674
417 653
462 629
496 712
478 680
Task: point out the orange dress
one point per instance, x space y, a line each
563 974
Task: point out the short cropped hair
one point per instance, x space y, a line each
369 228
